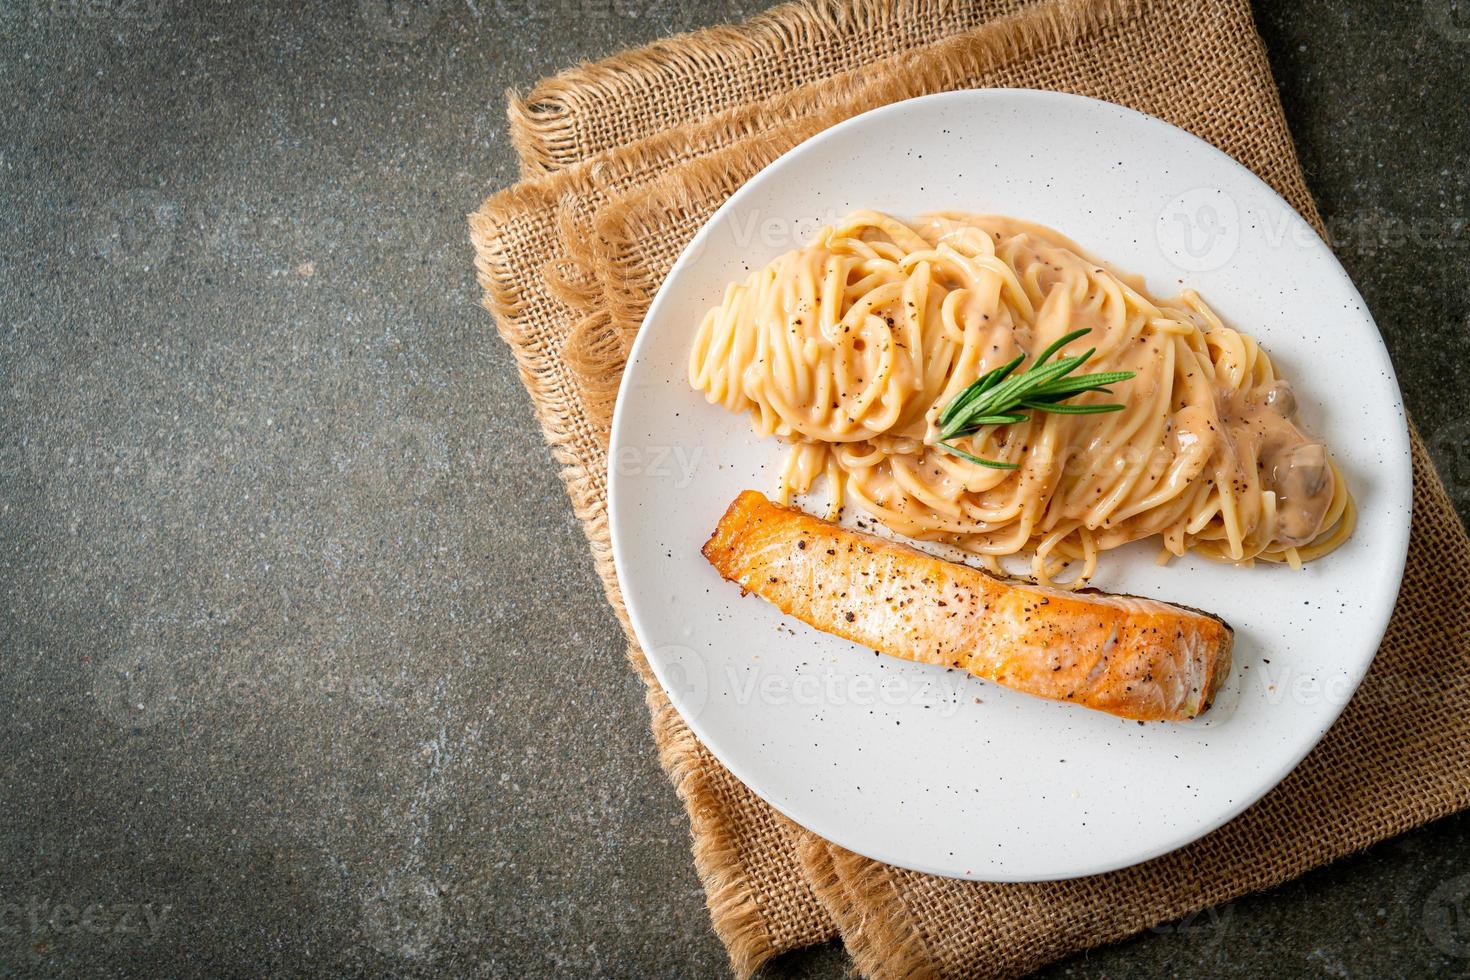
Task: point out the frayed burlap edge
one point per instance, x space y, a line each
876 929
505 300
592 190
774 51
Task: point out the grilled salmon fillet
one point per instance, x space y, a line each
1129 656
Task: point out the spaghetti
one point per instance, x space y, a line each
850 348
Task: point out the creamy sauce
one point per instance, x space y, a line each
1262 432
851 347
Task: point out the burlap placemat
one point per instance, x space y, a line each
591 108
638 150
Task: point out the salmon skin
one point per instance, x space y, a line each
1129 656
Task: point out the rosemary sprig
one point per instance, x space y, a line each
996 398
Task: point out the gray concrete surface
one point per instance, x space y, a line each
303 667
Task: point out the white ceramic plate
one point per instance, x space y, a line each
933 770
